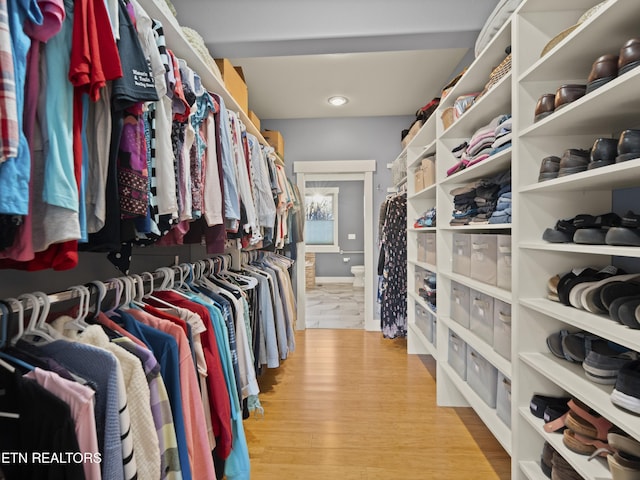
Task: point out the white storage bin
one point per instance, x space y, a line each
462 253
503 399
425 322
502 328
460 303
504 262
484 257
422 247
457 355
430 248
482 377
481 322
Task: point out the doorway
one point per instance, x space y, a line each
334 301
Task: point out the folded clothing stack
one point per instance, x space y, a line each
477 202
464 204
428 219
502 212
503 135
428 290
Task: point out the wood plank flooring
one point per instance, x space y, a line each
351 405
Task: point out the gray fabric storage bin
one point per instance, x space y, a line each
481 322
462 253
457 355
504 262
430 248
482 377
503 399
502 328
422 247
484 257
434 330
460 303
425 322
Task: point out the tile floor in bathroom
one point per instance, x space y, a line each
335 305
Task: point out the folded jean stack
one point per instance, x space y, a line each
484 201
487 141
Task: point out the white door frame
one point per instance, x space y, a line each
345 169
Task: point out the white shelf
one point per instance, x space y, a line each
415 330
425 265
426 134
533 471
487 414
497 163
600 325
428 150
484 226
619 175
423 229
608 250
605 32
429 192
571 377
611 108
492 290
178 43
479 345
493 103
595 469
420 301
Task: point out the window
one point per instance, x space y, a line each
321 219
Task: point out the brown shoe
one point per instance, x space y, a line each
629 56
603 70
544 107
569 93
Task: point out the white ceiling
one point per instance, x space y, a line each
388 58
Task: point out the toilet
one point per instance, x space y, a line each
358 275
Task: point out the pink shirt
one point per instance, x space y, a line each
200 458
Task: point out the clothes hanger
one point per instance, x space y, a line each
38 332
101 295
119 287
78 323
36 308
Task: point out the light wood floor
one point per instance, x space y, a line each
350 405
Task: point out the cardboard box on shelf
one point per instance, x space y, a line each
254 119
418 180
233 78
274 138
428 168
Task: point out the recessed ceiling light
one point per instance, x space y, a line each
338 100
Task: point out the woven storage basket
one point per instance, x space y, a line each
496 75
447 117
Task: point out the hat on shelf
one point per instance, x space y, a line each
566 32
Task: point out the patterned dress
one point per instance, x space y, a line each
393 285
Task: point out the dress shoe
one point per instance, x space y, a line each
567 94
603 70
603 152
549 168
544 106
574 160
629 56
628 146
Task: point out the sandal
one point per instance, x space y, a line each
597 221
583 445
582 421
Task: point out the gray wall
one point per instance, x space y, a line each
370 138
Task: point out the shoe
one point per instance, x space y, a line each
562 233
630 220
603 70
603 369
629 237
624 466
562 470
603 153
567 94
578 276
615 290
629 56
587 295
541 405
549 168
574 160
546 458
626 393
623 310
628 146
544 106
592 230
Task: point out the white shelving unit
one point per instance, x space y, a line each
604 112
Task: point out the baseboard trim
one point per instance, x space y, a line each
320 280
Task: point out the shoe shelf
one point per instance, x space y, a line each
595 469
178 43
612 108
425 265
424 345
479 345
605 32
618 175
491 290
532 470
572 379
429 192
487 414
600 325
497 163
608 250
